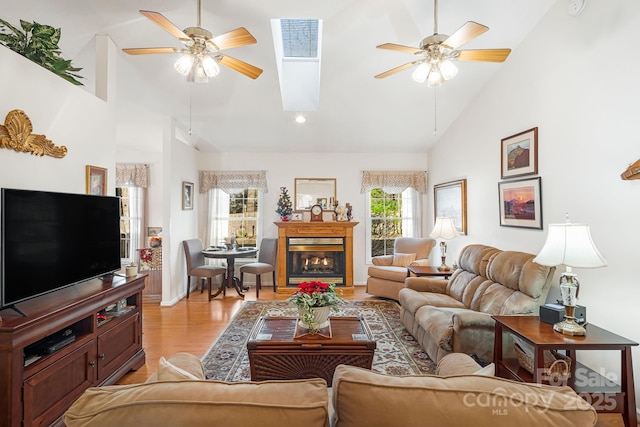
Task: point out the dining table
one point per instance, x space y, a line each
230 280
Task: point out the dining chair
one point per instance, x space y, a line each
267 255
196 266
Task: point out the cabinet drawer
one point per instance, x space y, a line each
118 344
51 391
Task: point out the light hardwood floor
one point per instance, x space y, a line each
193 325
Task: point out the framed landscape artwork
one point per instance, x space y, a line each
450 200
96 180
187 196
519 154
521 203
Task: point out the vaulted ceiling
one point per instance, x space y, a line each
233 113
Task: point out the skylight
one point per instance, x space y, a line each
298 45
299 38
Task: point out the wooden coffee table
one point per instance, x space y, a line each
274 353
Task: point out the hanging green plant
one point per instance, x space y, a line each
39 43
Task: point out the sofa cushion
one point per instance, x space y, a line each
412 301
403 260
195 403
365 398
393 273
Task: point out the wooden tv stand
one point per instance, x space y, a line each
102 352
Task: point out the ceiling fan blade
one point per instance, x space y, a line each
395 70
147 50
399 47
240 66
487 55
234 38
469 31
166 25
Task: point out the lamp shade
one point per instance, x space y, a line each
444 228
571 245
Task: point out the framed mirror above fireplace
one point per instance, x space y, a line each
314 191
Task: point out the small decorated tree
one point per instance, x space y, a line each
284 204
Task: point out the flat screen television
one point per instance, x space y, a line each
52 240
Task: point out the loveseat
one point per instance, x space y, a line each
177 395
387 274
454 315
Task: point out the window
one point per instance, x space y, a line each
235 215
390 215
131 215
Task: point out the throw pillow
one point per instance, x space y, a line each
170 372
487 371
403 260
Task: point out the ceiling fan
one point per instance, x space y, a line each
201 53
436 53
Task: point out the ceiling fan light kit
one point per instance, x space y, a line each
202 52
438 52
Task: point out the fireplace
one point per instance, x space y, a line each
315 251
315 259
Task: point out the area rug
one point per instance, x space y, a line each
397 352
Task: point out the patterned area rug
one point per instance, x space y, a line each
397 352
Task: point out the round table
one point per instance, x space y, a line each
230 280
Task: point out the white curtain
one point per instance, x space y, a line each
411 213
218 218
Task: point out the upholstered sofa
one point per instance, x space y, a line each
387 274
177 395
454 315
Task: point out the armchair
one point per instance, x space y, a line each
388 272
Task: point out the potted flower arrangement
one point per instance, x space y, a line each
315 300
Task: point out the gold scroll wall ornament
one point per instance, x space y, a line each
632 172
16 135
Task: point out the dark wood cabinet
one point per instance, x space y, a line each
36 393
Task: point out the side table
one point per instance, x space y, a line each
602 393
427 270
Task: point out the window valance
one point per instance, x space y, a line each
132 175
394 181
233 181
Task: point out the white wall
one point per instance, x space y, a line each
180 164
67 115
282 168
575 78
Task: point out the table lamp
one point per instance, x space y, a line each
444 228
571 245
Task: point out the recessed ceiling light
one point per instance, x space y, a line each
300 118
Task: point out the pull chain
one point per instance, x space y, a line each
190 110
435 111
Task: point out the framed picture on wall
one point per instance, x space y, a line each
450 200
96 180
187 196
521 203
519 154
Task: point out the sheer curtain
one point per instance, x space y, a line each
218 218
135 177
217 186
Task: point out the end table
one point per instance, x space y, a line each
427 270
602 393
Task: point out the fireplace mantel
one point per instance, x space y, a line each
287 229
